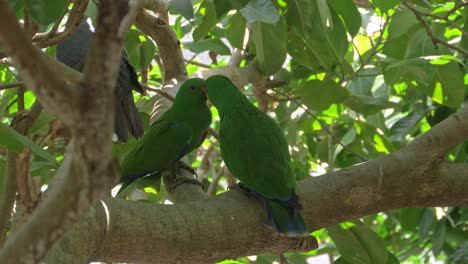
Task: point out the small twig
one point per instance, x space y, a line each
5 86
198 64
21 123
337 140
158 91
435 40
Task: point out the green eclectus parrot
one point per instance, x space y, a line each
181 129
256 152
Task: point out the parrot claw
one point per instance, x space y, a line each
241 187
181 180
183 165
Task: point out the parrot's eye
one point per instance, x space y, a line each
192 87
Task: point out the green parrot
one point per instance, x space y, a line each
256 152
176 133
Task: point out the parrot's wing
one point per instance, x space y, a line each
255 151
164 144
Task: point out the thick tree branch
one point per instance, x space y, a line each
89 169
168 44
33 65
415 176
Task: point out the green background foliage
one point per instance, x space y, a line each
369 76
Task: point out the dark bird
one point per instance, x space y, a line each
72 52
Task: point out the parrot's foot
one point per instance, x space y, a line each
181 180
183 165
241 187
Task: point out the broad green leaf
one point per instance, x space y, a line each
358 244
311 42
319 95
44 12
262 11
410 217
392 259
223 6
385 5
341 260
349 13
438 237
402 21
16 142
184 7
368 105
450 80
5 98
406 125
426 223
215 45
208 11
147 50
235 30
269 58
464 38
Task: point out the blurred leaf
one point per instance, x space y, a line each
349 13
385 5
235 30
41 125
215 45
5 98
460 255
44 12
358 244
269 57
184 7
261 11
406 125
392 259
438 237
209 20
426 223
147 50
402 21
223 6
367 105
16 142
410 217
319 95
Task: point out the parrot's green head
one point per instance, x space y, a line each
221 91
191 93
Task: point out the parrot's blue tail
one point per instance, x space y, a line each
287 220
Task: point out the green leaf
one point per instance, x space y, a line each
184 7
402 21
341 260
410 217
44 12
269 58
392 259
235 30
261 10
349 13
385 5
5 100
215 45
406 125
426 223
208 11
147 50
319 95
16 142
368 105
223 6
438 237
358 244
311 42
